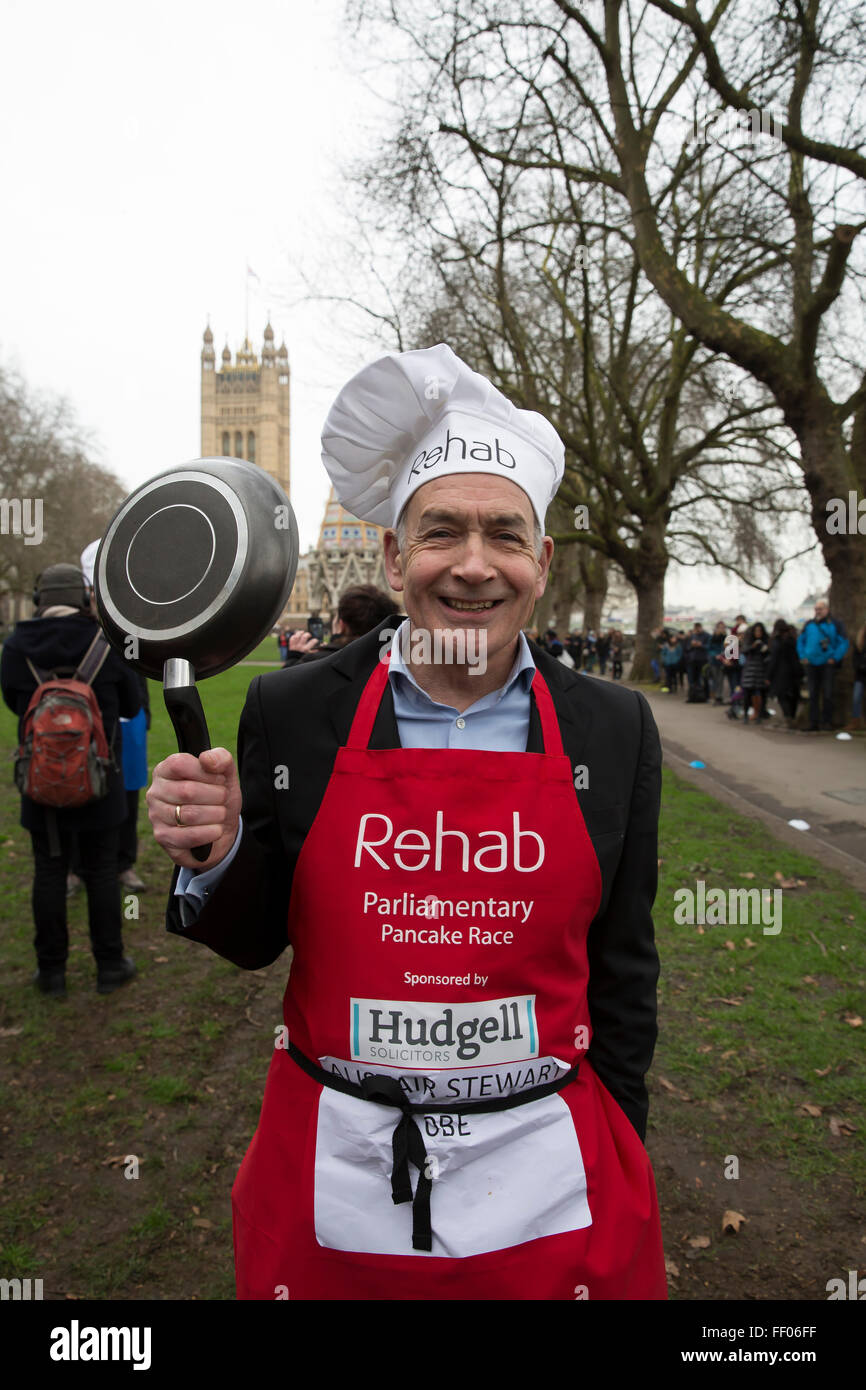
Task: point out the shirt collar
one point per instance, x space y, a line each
522 663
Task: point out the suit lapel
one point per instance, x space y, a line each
572 711
355 664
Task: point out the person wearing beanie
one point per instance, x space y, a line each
54 642
463 857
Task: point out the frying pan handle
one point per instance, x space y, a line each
190 726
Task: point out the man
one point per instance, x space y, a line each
464 862
361 608
821 646
55 641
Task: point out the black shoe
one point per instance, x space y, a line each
51 982
109 980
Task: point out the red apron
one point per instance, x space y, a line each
439 914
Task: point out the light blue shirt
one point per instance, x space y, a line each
498 722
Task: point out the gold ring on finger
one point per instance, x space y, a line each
177 819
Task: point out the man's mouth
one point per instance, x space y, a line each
462 605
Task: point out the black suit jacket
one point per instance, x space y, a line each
299 717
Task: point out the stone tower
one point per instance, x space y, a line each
245 405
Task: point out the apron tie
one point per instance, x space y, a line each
407 1144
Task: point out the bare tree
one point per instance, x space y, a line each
542 292
732 133
53 499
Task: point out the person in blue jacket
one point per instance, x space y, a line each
821 646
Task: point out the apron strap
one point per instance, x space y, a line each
368 708
550 734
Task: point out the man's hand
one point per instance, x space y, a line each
208 793
303 642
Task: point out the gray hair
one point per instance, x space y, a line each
537 534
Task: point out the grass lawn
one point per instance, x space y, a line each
124 1118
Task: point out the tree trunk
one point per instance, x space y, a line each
593 574
650 590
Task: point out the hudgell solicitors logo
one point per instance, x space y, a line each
408 1034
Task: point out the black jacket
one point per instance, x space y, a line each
784 671
299 718
57 645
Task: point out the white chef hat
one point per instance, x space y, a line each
88 560
411 417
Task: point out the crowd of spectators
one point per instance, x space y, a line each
743 665
740 666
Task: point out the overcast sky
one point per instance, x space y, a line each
149 154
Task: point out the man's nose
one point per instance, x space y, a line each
473 564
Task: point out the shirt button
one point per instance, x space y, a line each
461 723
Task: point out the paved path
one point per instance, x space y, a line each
775 774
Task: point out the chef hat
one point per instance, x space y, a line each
411 417
88 560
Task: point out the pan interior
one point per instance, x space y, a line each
186 533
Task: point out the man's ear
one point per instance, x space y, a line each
544 560
393 560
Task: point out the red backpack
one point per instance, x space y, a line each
64 758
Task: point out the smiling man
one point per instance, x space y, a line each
462 855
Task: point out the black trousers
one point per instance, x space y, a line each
97 856
127 844
821 680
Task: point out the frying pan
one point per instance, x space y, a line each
192 572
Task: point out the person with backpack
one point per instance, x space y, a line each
821 647
69 689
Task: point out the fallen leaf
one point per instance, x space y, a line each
808 1109
748 875
699 1242
203 1222
9 1032
674 1090
705 1047
822 1071
731 1052
160 960
730 946
197 1210
839 1128
854 1020
735 1003
672 1269
748 942
698 1182
732 1221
